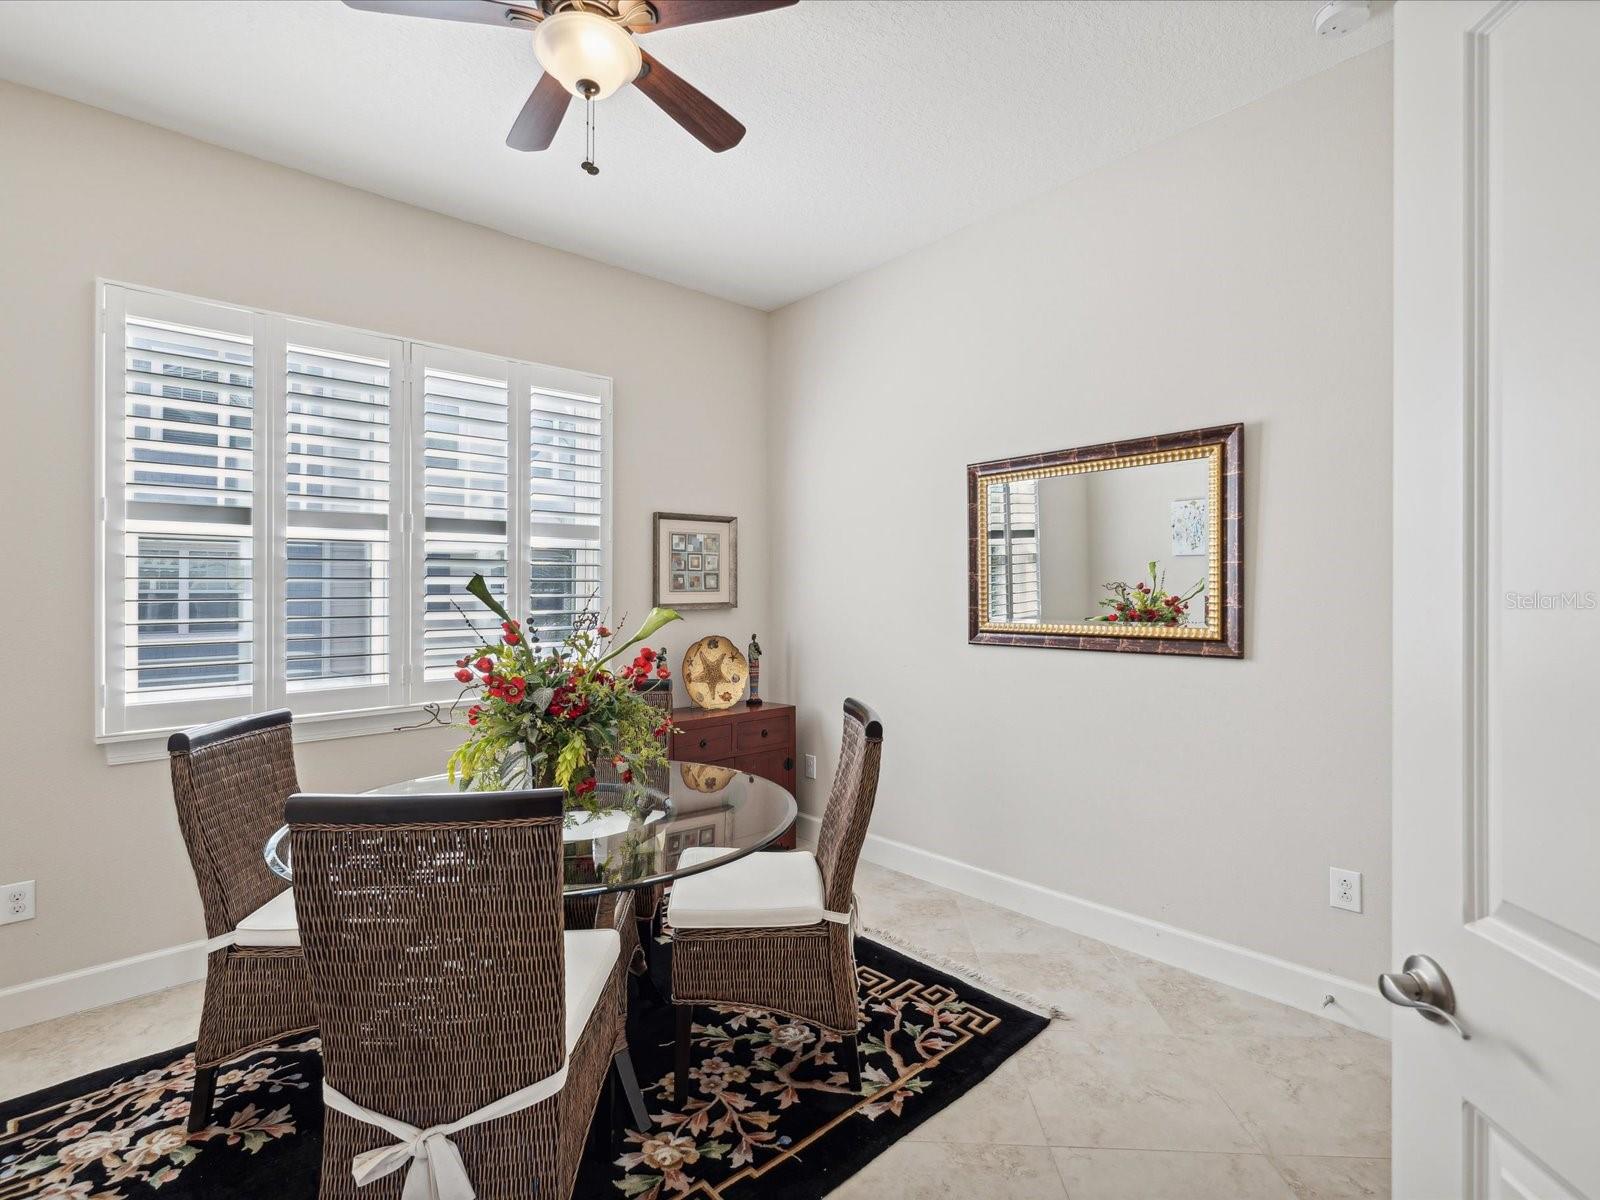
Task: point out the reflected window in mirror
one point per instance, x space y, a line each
1014 552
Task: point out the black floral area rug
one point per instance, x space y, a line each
770 1114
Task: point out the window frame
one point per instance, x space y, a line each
138 733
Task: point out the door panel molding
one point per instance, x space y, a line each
1499 1167
1566 953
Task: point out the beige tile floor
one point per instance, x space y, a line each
1159 1086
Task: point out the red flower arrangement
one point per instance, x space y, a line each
1146 603
547 717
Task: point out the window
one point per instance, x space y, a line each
1014 554
291 512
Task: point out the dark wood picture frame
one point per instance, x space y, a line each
1223 638
729 569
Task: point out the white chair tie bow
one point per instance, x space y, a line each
436 1171
845 918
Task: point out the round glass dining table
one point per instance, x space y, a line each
636 837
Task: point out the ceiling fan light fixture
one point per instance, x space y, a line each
582 48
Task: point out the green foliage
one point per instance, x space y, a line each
657 618
547 717
479 588
573 756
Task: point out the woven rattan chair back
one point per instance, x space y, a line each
659 696
230 781
855 787
431 927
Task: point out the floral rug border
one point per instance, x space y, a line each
759 1080
887 1095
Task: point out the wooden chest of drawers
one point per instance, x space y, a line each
757 741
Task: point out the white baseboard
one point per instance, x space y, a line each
93 987
1355 1004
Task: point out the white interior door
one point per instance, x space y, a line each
1497 594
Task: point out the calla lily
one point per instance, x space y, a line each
657 618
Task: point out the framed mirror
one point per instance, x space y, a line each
1131 546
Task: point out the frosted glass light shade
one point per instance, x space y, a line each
574 46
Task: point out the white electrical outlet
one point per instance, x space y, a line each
1344 889
811 766
16 902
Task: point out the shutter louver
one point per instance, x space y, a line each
350 481
187 502
1014 553
336 475
466 456
565 462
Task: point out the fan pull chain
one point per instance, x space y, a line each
588 136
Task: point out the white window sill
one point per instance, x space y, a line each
149 745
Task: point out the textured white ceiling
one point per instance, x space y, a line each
876 126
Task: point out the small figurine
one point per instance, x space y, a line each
753 657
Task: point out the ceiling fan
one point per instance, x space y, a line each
588 50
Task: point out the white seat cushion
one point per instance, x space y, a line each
758 891
273 924
590 955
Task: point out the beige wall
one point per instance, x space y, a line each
1238 272
1130 514
85 193
1068 592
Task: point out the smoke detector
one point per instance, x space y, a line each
1339 17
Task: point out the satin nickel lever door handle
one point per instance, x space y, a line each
1422 984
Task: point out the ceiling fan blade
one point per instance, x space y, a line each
670 13
536 125
479 12
689 107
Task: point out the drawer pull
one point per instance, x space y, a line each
763 733
702 743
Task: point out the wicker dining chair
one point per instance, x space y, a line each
230 781
773 932
433 936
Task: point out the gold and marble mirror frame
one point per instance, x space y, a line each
1222 636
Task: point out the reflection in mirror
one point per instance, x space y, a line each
1113 548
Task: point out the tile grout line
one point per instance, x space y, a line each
1055 1163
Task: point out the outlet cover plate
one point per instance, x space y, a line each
16 902
1344 889
811 766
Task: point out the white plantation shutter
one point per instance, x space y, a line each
466 482
338 464
180 500
566 464
1014 552
292 511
